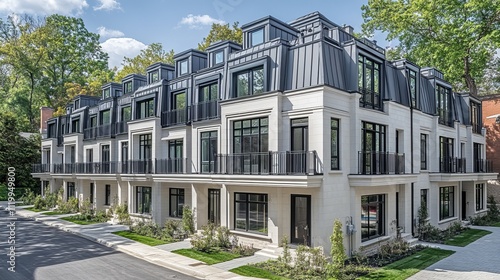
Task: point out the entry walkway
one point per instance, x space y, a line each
478 260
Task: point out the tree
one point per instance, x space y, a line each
18 152
73 54
220 32
459 37
137 65
337 250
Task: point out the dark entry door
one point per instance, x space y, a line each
214 206
301 219
464 205
92 193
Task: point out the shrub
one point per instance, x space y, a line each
87 210
120 212
337 251
215 238
70 206
28 197
188 219
40 203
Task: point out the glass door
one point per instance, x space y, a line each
301 219
214 206
299 145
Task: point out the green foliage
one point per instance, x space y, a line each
188 219
285 258
28 197
18 152
215 238
457 37
69 206
207 257
466 237
220 32
253 271
137 65
141 238
170 232
337 250
120 212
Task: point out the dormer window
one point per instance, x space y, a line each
249 82
219 57
77 104
106 93
412 79
369 82
155 76
257 37
183 67
128 87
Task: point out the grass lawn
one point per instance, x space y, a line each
208 258
140 238
466 237
74 219
34 209
53 213
495 224
252 271
408 266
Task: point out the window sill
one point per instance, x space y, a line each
138 215
250 234
375 241
447 220
336 172
481 211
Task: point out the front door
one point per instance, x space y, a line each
464 205
301 219
92 193
214 206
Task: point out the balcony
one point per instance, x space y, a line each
121 127
105 130
170 166
477 128
380 163
40 168
269 163
452 165
483 166
206 110
174 117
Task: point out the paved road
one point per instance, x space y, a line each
47 253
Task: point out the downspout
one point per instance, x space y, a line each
411 152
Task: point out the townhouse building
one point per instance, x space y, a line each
491 121
300 125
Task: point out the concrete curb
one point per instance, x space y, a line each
184 269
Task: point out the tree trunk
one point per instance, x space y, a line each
30 108
469 80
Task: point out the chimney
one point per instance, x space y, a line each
349 29
45 114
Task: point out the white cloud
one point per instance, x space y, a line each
109 33
107 5
46 7
117 48
199 21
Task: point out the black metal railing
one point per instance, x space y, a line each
377 163
483 166
69 168
272 163
445 117
174 117
206 110
477 128
138 167
170 166
40 168
105 130
370 99
121 127
90 133
452 165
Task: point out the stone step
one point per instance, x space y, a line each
266 254
412 242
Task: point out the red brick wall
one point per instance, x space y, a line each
45 114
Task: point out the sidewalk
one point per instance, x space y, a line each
102 233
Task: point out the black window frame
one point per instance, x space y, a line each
75 125
413 88
70 190
446 202
335 144
145 146
221 52
175 99
479 196
239 128
176 208
371 93
212 93
248 204
208 158
380 203
423 151
476 117
107 195
142 205
102 115
251 37
181 72
145 108
123 115
127 87
251 82
154 76
444 105
106 93
93 121
424 197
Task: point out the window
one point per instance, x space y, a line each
176 202
250 212
118 93
443 103
479 197
412 79
179 101
250 82
143 200
475 117
208 151
127 87
373 147
51 130
479 165
219 57
70 188
335 148
126 114
423 151
93 121
77 104
107 197
208 92
124 158
175 148
75 126
154 76
257 37
47 156
72 154
446 154
250 136
105 153
146 108
183 67
446 202
423 197
372 216
105 117
369 82
145 142
106 93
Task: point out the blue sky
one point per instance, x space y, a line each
127 26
